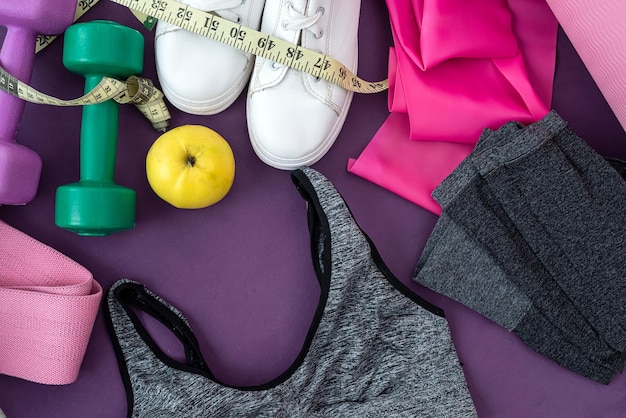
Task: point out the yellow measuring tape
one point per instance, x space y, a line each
257 43
149 100
136 90
249 40
82 7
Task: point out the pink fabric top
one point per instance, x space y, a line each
48 305
457 68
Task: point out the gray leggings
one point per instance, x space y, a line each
531 236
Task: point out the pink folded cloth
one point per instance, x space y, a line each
597 30
48 305
457 68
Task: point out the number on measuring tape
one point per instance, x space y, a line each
254 42
82 7
139 91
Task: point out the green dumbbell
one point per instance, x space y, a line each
95 205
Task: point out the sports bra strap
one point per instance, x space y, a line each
134 295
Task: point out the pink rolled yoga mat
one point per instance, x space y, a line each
48 305
597 30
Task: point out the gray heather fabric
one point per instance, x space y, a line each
478 256
469 275
374 350
468 199
568 204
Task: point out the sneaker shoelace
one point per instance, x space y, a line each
297 21
300 21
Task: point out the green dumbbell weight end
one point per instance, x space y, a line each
95 205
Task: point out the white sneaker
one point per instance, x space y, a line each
199 75
294 118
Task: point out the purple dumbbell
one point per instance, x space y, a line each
24 20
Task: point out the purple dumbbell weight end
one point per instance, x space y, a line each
20 167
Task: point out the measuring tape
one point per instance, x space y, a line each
136 90
254 42
82 7
149 100
249 40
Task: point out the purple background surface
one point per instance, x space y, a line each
241 269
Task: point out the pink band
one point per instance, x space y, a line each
457 67
48 305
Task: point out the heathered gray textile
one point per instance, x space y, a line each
469 275
508 258
468 199
568 204
485 287
374 350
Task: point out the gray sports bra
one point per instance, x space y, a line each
374 349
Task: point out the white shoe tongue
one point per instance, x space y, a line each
295 80
292 80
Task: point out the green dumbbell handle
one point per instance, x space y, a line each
98 136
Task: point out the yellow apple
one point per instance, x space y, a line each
190 167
